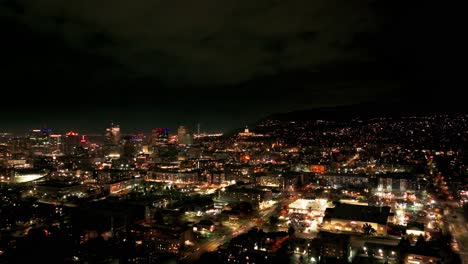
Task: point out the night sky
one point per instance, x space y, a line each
79 64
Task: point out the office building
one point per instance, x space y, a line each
159 136
185 136
113 135
72 141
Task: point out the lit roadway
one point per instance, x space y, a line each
459 230
213 243
221 238
203 247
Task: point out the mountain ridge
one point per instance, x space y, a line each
366 111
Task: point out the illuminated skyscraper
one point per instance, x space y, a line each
185 136
39 137
113 135
159 136
39 141
72 141
56 143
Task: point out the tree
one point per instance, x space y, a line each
245 207
404 243
421 241
368 230
291 230
273 220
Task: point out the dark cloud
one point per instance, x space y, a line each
208 41
231 60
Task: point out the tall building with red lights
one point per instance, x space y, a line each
72 141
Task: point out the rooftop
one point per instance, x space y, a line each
372 214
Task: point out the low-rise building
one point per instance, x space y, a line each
122 185
60 189
173 175
241 194
344 180
420 255
334 247
352 218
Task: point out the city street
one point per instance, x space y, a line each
459 230
220 238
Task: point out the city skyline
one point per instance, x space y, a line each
233 131
341 190
345 112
